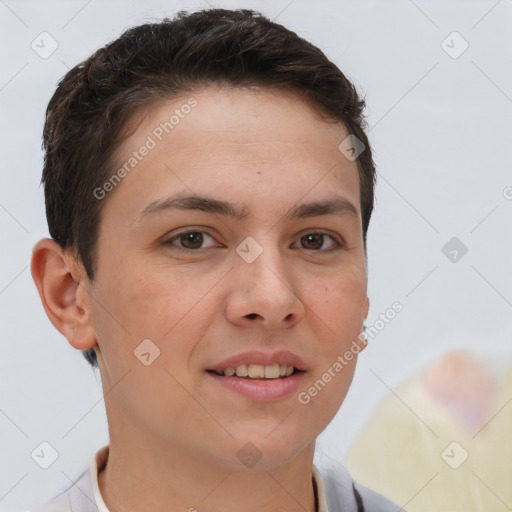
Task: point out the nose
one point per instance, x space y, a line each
264 293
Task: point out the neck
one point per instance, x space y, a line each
144 475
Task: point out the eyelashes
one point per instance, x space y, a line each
192 241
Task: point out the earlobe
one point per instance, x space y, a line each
366 308
362 338
57 275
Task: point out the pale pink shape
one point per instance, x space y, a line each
464 385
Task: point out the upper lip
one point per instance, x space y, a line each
264 358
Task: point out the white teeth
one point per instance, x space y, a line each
241 371
259 371
256 371
272 372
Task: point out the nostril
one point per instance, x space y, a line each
252 315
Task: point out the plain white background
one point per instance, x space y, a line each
440 130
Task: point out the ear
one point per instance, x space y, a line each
61 282
366 307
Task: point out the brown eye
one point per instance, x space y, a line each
315 242
191 240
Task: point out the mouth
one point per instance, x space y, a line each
260 376
259 383
258 371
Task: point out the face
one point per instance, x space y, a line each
246 275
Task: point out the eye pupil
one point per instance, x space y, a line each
192 240
318 237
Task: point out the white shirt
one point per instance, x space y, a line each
334 491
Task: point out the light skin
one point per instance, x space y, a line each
174 432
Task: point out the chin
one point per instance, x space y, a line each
259 451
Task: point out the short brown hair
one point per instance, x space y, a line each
95 100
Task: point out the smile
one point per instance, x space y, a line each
260 389
259 371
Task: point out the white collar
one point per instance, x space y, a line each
99 460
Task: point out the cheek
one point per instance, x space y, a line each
337 313
172 308
151 301
339 299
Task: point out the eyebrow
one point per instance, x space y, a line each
337 206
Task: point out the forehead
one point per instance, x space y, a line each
233 141
248 114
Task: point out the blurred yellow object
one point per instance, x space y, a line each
444 442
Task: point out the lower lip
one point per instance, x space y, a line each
261 390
